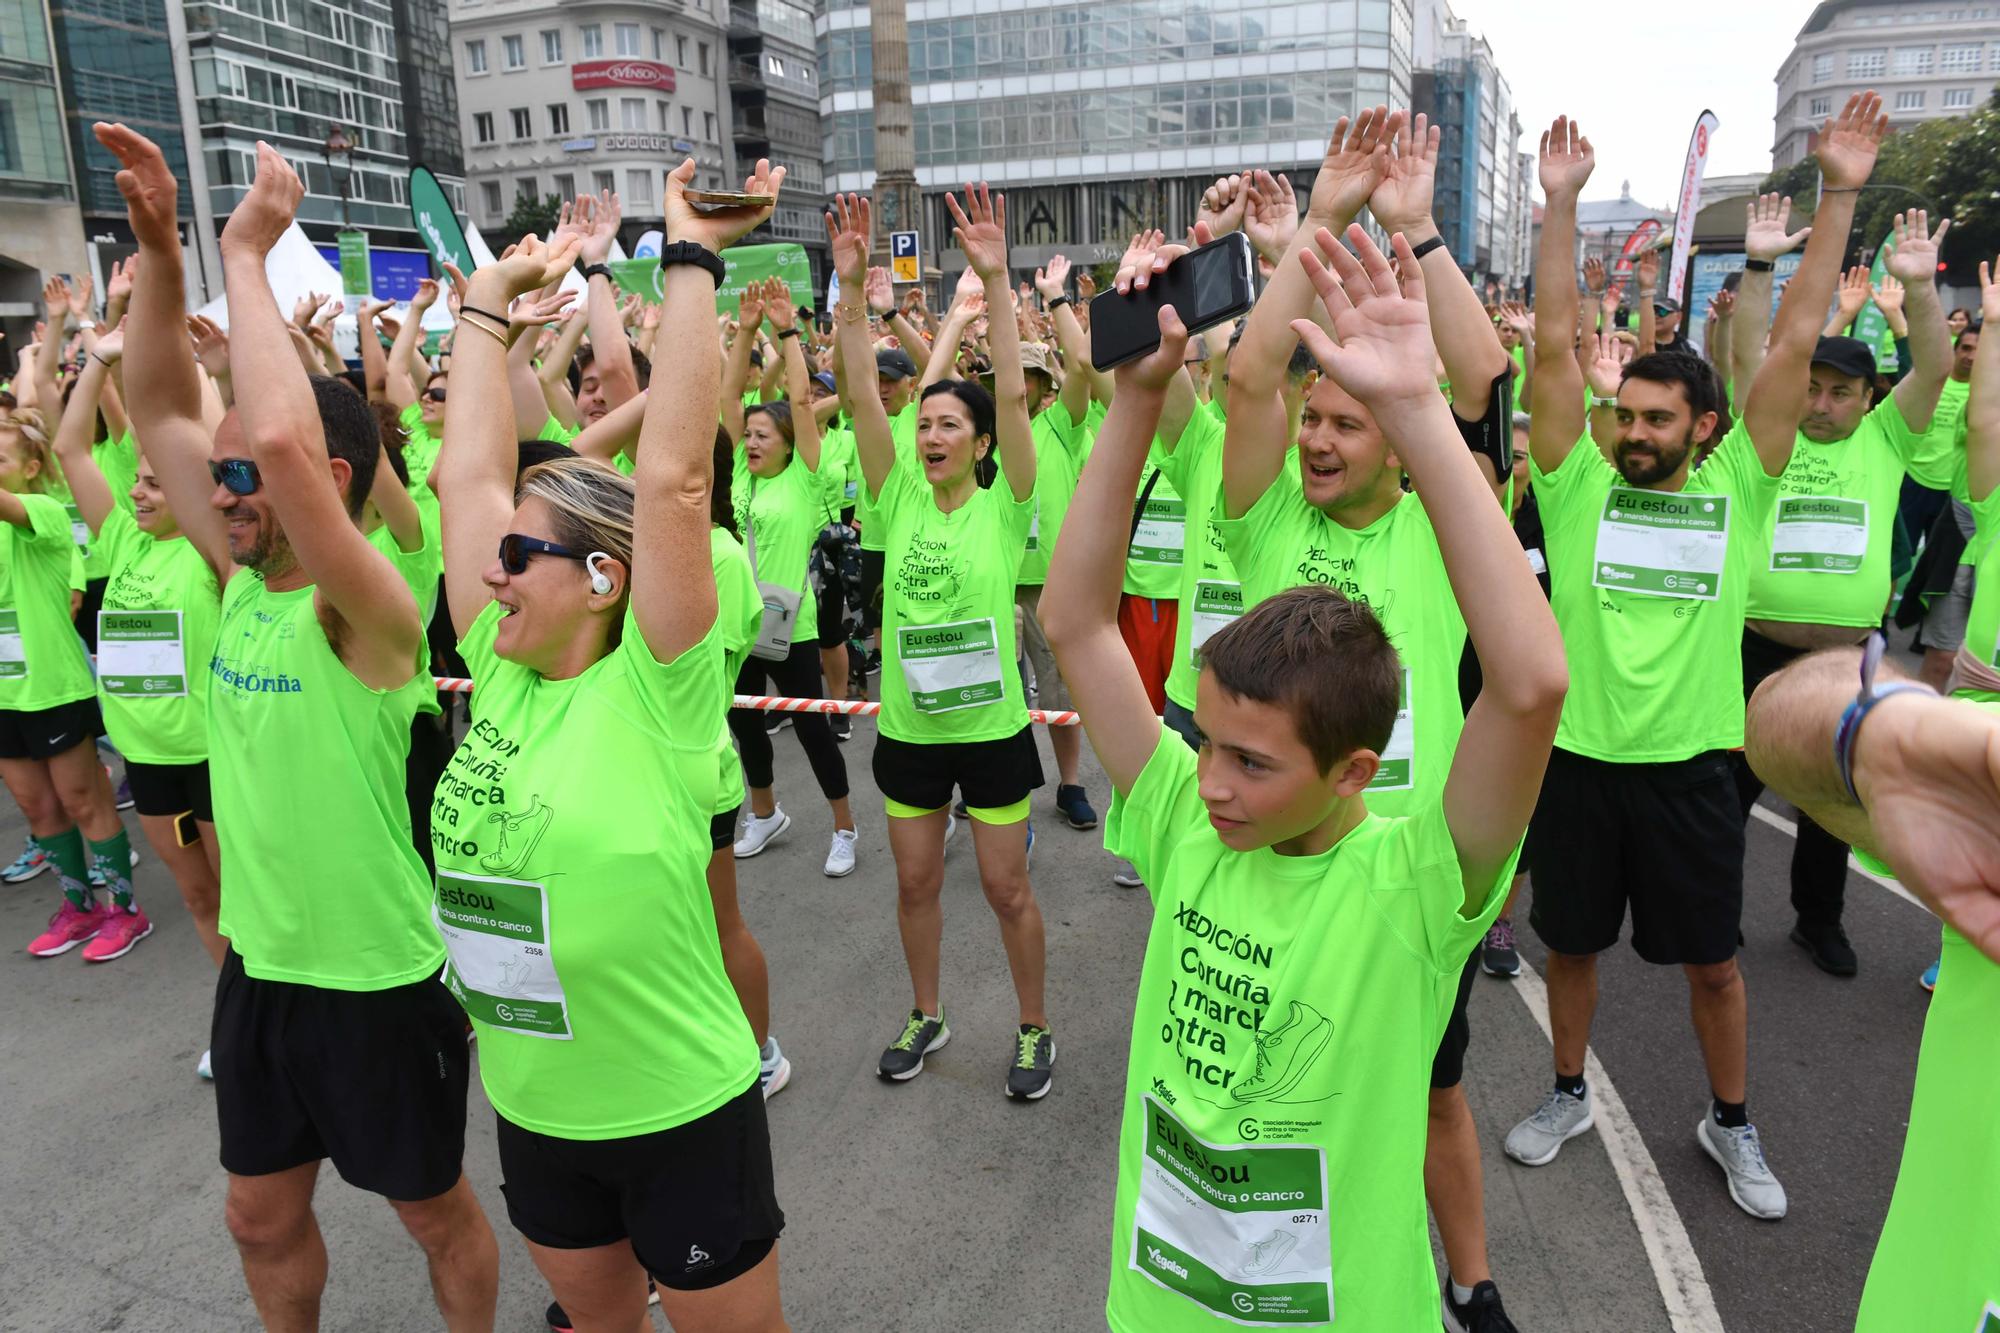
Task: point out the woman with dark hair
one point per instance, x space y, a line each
953 714
780 507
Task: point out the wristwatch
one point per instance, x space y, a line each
1757 266
689 252
592 270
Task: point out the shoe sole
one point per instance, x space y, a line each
1501 973
1080 825
23 879
1135 884
838 874
931 1049
59 952
1588 1123
1034 1096
780 1076
108 957
758 850
1798 938
1728 1178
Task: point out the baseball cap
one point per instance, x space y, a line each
1849 356
825 381
895 363
1666 305
1035 356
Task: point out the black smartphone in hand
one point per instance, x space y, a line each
1205 286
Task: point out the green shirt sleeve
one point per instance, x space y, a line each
1163 805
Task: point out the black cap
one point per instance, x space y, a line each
895 363
1849 356
1666 305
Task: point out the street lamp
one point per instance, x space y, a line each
354 276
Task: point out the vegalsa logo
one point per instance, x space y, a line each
1160 1260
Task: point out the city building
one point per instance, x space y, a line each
774 113
116 63
1926 59
1100 120
41 227
1480 200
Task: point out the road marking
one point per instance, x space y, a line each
1676 1267
1791 830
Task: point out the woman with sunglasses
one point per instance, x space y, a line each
48 714
953 715
572 826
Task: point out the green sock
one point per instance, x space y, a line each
112 859
66 850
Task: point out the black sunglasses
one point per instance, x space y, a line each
516 550
238 476
435 395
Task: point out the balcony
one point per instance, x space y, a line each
749 125
746 73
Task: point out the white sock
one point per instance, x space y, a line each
1460 1294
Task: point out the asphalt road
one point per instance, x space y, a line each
939 1205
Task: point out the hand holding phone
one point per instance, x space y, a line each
1205 286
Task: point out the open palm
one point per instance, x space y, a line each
1403 199
1847 145
981 228
1356 160
1915 257
1566 159
1382 348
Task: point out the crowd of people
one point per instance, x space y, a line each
1388 614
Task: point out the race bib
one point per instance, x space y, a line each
497 934
1537 561
953 666
1241 1231
1035 524
1215 605
1662 543
1162 532
79 531
13 657
1820 533
139 654
1399 761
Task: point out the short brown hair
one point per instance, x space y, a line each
1324 659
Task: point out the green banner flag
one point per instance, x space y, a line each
743 265
1871 326
354 276
641 276
437 223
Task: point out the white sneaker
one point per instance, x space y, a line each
1740 1154
759 831
774 1070
1127 876
840 855
1560 1118
204 1069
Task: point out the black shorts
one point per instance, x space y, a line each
873 565
170 790
722 828
1668 838
1448 1066
697 1201
48 732
374 1080
86 612
989 775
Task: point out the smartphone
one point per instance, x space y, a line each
725 199
1204 286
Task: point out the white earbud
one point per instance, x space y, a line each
600 582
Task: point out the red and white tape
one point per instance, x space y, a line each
773 703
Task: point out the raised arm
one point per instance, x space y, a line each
374 361
614 433
1848 300
1565 163
399 383
784 318
1982 404
1914 264
848 223
736 373
1647 272
392 500
160 373
87 486
981 229
970 304
1381 353
599 217
1765 242
526 318
1777 395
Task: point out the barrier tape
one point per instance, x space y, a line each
772 703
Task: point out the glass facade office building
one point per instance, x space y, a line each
32 162
117 65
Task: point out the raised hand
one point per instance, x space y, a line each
778 307
1853 293
981 228
718 229
598 223
1517 317
110 346
1381 351
881 292
1594 276
332 310
55 301
426 296
305 308
370 311
531 311
1357 158
1272 219
1723 306
1608 357
79 299
1647 268
1402 202
263 214
1915 258
750 308
1888 296
1566 159
525 266
569 221
1155 370
1086 286
1050 281
1764 234
1847 145
150 189
118 287
1989 292
1224 203
211 345
1141 261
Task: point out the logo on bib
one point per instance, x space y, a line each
1163 1262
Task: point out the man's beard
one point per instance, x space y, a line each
270 554
1653 467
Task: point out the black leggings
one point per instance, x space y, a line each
797 677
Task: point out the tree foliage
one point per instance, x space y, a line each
531 215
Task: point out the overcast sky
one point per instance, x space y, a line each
1653 71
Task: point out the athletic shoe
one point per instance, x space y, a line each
842 725
840 855
31 862
1127 876
1074 806
1929 979
1284 1054
1482 1313
774 1070
961 809
1741 1156
904 1059
1560 1118
1029 857
1033 1071
1497 955
1826 944
778 722
204 1069
118 935
760 830
69 927
122 797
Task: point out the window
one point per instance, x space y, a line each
1910 99
628 39
1960 58
659 43
593 41
558 118
708 126
475 57
607 181
687 121
703 48
665 111
1822 68
514 52
1958 99
1912 60
524 188
482 127
1866 64
639 188
598 112
552 46
1821 108
631 113
566 185
523 123
681 52
773 65
490 193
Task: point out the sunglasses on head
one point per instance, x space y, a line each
516 550
435 395
238 476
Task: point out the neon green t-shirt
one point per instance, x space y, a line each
949 671
420 450
839 469
1394 566
1058 444
1935 458
739 616
555 432
1982 624
902 430
1825 556
1271 1145
321 884
422 568
42 662
118 460
582 938
155 636
1154 554
94 565
1210 594
779 518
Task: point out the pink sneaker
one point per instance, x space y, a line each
121 930
69 927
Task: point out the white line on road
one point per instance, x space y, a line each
1791 830
1676 1267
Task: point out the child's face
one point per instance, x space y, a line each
1258 779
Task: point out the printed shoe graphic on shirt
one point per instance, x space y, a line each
1264 1257
518 836
1285 1055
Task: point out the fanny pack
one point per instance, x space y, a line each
781 604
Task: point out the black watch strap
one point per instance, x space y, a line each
1060 302
1758 266
688 252
787 333
1424 248
592 270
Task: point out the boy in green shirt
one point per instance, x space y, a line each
1303 947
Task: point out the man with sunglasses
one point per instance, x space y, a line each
332 1036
